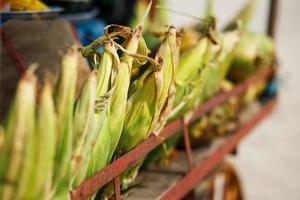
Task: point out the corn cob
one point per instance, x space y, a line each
219 65
46 137
17 159
140 112
169 52
104 80
188 73
85 130
65 99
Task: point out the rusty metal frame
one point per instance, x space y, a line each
194 176
117 167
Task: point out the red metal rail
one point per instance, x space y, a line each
194 176
116 168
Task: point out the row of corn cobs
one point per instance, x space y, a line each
52 139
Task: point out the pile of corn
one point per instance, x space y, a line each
52 140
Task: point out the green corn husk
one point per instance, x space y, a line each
97 144
117 107
17 160
65 99
102 143
169 52
140 112
85 130
46 137
220 64
188 74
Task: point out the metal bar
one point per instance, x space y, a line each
188 151
187 144
273 10
117 188
187 183
101 178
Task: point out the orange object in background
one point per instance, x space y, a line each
4 5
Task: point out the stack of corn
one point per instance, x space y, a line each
35 157
49 164
50 142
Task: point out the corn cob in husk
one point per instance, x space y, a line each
85 129
169 53
188 78
219 65
91 113
46 137
104 94
18 157
65 99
